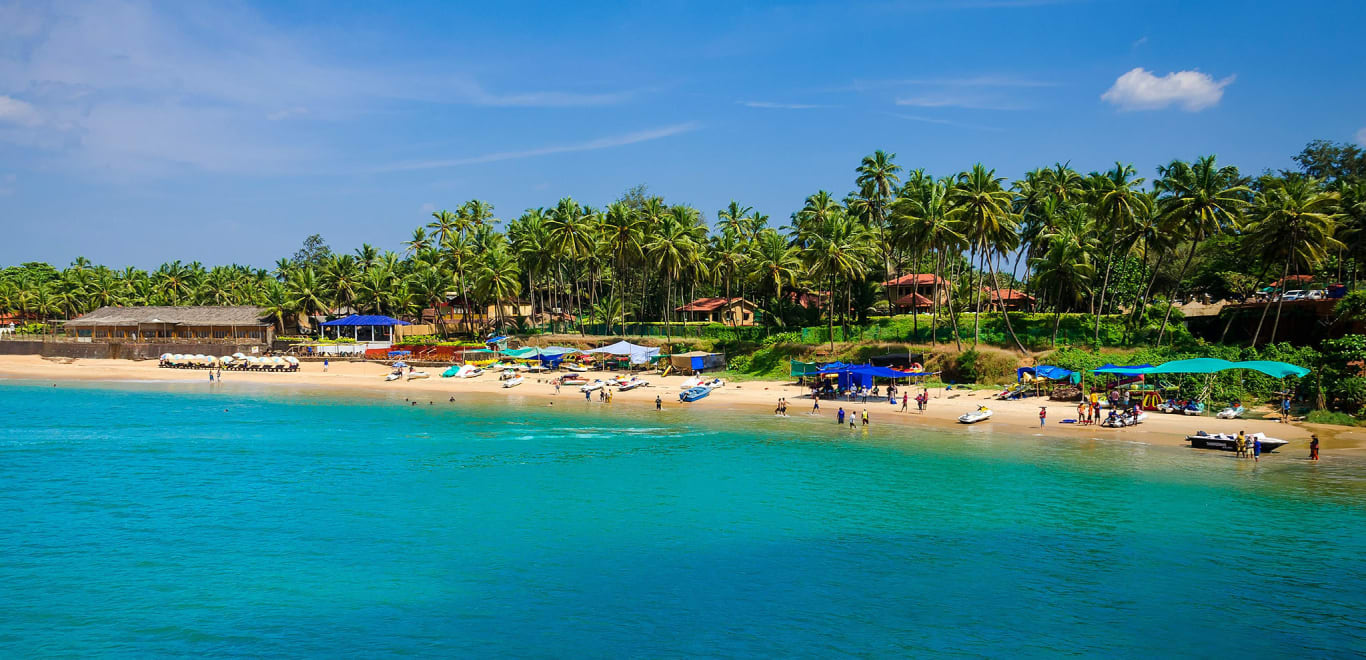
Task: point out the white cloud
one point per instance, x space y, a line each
1139 42
1139 89
591 145
15 111
1361 137
783 106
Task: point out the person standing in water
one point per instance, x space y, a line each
659 403
1257 449
839 416
1313 447
815 404
865 418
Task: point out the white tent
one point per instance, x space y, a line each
637 354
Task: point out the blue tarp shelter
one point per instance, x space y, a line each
1115 370
862 375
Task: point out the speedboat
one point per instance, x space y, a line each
1229 441
1232 412
593 386
632 384
576 367
513 382
507 374
415 375
1194 408
393 376
694 393
981 414
572 379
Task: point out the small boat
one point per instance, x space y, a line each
415 375
576 367
507 374
536 369
691 382
1229 442
1194 408
593 386
694 393
468 371
633 384
513 382
393 375
1232 412
572 379
1170 406
982 413
1124 419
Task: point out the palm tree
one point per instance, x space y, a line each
305 293
445 224
622 236
419 241
1119 205
499 279
572 239
877 181
671 250
727 260
1066 268
1293 219
772 261
983 208
1203 200
734 220
836 247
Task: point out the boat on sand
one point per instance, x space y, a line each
513 382
982 413
1229 441
694 393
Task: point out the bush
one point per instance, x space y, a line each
978 366
1331 417
1350 393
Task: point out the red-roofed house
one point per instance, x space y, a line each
914 301
1012 300
924 285
730 311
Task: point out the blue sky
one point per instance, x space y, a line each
134 133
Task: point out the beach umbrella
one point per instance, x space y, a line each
227 359
239 356
291 360
400 365
165 356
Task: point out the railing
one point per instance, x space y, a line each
67 339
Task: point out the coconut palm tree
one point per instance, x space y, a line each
1293 220
877 180
983 209
836 247
1065 269
671 250
771 261
1119 205
306 294
1201 200
498 278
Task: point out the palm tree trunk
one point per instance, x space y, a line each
953 314
830 317
1105 284
1285 272
1180 276
1005 314
1057 315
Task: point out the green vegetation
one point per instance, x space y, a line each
1085 260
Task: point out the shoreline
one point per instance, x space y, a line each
760 397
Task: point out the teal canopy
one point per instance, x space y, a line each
1213 365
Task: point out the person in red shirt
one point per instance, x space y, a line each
1043 415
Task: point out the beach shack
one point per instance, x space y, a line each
164 323
694 362
367 331
634 354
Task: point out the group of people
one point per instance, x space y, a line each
853 418
1249 447
781 410
922 399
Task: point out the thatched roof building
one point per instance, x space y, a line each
240 323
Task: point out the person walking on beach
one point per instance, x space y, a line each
839 416
659 403
557 387
906 401
1285 409
1313 447
324 365
587 395
815 404
211 378
1043 416
865 418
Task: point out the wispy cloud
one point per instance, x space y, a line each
1139 89
591 145
952 100
784 106
944 122
1361 137
137 87
981 81
1139 42
940 5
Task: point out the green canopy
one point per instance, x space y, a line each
805 368
1212 365
522 353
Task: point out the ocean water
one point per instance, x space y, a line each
159 520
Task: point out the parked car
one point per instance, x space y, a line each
1316 294
1292 296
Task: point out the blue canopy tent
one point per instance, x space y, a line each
370 323
1047 372
862 375
1134 370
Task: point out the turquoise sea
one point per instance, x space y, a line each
155 520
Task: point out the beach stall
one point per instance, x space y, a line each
695 362
371 330
636 355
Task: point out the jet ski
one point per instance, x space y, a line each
982 413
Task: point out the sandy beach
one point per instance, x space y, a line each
1019 417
